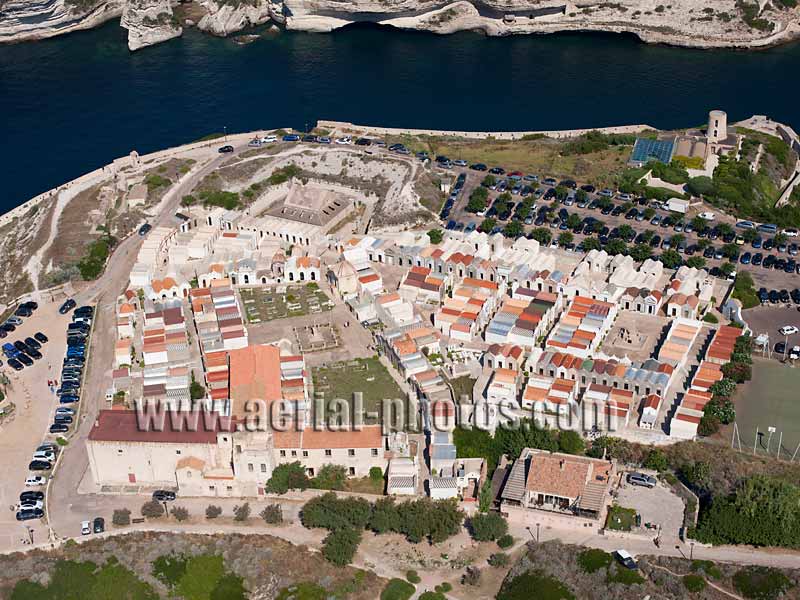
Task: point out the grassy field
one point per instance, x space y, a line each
366 375
541 157
462 386
770 400
620 519
262 304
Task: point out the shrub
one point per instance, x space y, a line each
213 511
432 596
435 236
761 583
121 517
180 513
444 587
498 559
340 546
397 589
169 569
623 576
472 576
241 512
593 559
330 512
413 577
376 474
656 460
272 514
488 527
152 509
710 317
694 583
522 587
708 567
505 541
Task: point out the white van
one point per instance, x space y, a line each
47 455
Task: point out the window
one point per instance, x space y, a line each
239 448
283 453
294 452
229 488
211 488
188 474
374 452
352 471
305 453
328 453
250 467
351 452
177 451
119 451
224 439
263 468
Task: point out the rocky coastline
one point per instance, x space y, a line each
743 24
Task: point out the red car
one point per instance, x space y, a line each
515 174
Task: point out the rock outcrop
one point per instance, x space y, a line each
694 23
22 20
149 22
224 18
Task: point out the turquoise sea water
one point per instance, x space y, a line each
73 103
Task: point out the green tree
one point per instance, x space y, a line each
152 509
677 240
241 512
487 225
180 513
542 235
649 212
487 527
726 268
565 239
730 250
616 246
489 181
701 186
340 546
573 220
626 231
641 252
590 243
514 229
288 476
385 516
580 195
696 262
272 514
656 460
478 200
671 259
196 390
571 442
485 496
436 236
330 477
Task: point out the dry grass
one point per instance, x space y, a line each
541 157
75 231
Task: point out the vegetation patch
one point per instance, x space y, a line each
594 559
761 583
545 586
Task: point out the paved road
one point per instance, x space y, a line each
64 505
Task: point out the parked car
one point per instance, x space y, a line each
227 149
86 527
99 525
35 480
625 559
31 496
143 230
163 496
39 465
642 480
28 514
68 305
788 330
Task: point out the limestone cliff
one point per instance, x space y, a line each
225 17
696 23
149 22
22 20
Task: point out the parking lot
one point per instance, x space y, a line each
624 218
659 506
35 403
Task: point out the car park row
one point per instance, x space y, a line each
68 391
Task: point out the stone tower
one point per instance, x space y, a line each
717 126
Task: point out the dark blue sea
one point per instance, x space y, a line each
72 103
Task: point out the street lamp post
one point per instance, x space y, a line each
225 132
537 532
30 533
691 550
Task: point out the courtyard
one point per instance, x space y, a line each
340 380
282 301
